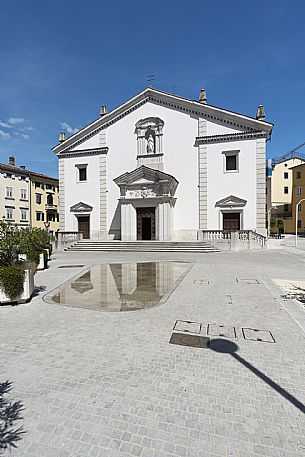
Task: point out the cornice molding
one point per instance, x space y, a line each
229 137
228 118
83 152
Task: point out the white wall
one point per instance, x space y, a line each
85 191
241 184
180 158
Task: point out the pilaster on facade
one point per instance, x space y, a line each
103 195
61 196
203 175
103 138
261 184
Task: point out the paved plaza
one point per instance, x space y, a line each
97 383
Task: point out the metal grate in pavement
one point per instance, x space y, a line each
258 335
71 266
247 281
202 282
221 330
195 341
187 326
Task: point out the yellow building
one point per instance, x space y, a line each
298 193
279 191
44 202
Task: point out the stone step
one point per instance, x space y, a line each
142 246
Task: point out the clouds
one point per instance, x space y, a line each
68 127
4 135
15 126
16 120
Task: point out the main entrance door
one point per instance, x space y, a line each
84 226
146 223
231 221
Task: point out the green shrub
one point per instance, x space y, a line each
11 280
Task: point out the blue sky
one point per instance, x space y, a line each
61 60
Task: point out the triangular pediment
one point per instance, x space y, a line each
141 176
189 107
231 201
81 208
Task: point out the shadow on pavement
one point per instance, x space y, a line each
229 347
10 412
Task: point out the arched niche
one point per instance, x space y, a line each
149 133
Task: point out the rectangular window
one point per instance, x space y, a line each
300 206
299 223
298 191
24 214
39 216
286 207
38 199
285 190
9 213
37 184
231 162
23 194
50 217
286 175
9 192
299 174
83 174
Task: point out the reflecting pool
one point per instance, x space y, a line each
121 286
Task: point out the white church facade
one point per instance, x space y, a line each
162 167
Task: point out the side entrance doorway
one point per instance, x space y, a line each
146 224
231 221
84 226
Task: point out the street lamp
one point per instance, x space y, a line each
296 220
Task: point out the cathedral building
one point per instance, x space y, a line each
163 167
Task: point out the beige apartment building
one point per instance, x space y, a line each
14 194
279 192
28 198
44 202
298 194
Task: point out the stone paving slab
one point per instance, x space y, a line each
110 384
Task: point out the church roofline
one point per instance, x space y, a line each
165 99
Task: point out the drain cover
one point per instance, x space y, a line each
247 281
187 326
194 341
258 335
71 266
202 282
221 330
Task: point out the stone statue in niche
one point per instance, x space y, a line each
150 148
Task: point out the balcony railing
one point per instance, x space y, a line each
66 239
233 236
51 206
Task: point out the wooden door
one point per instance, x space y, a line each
84 226
146 223
231 221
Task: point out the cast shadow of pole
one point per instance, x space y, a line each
10 412
229 347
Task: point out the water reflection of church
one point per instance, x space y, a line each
122 286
